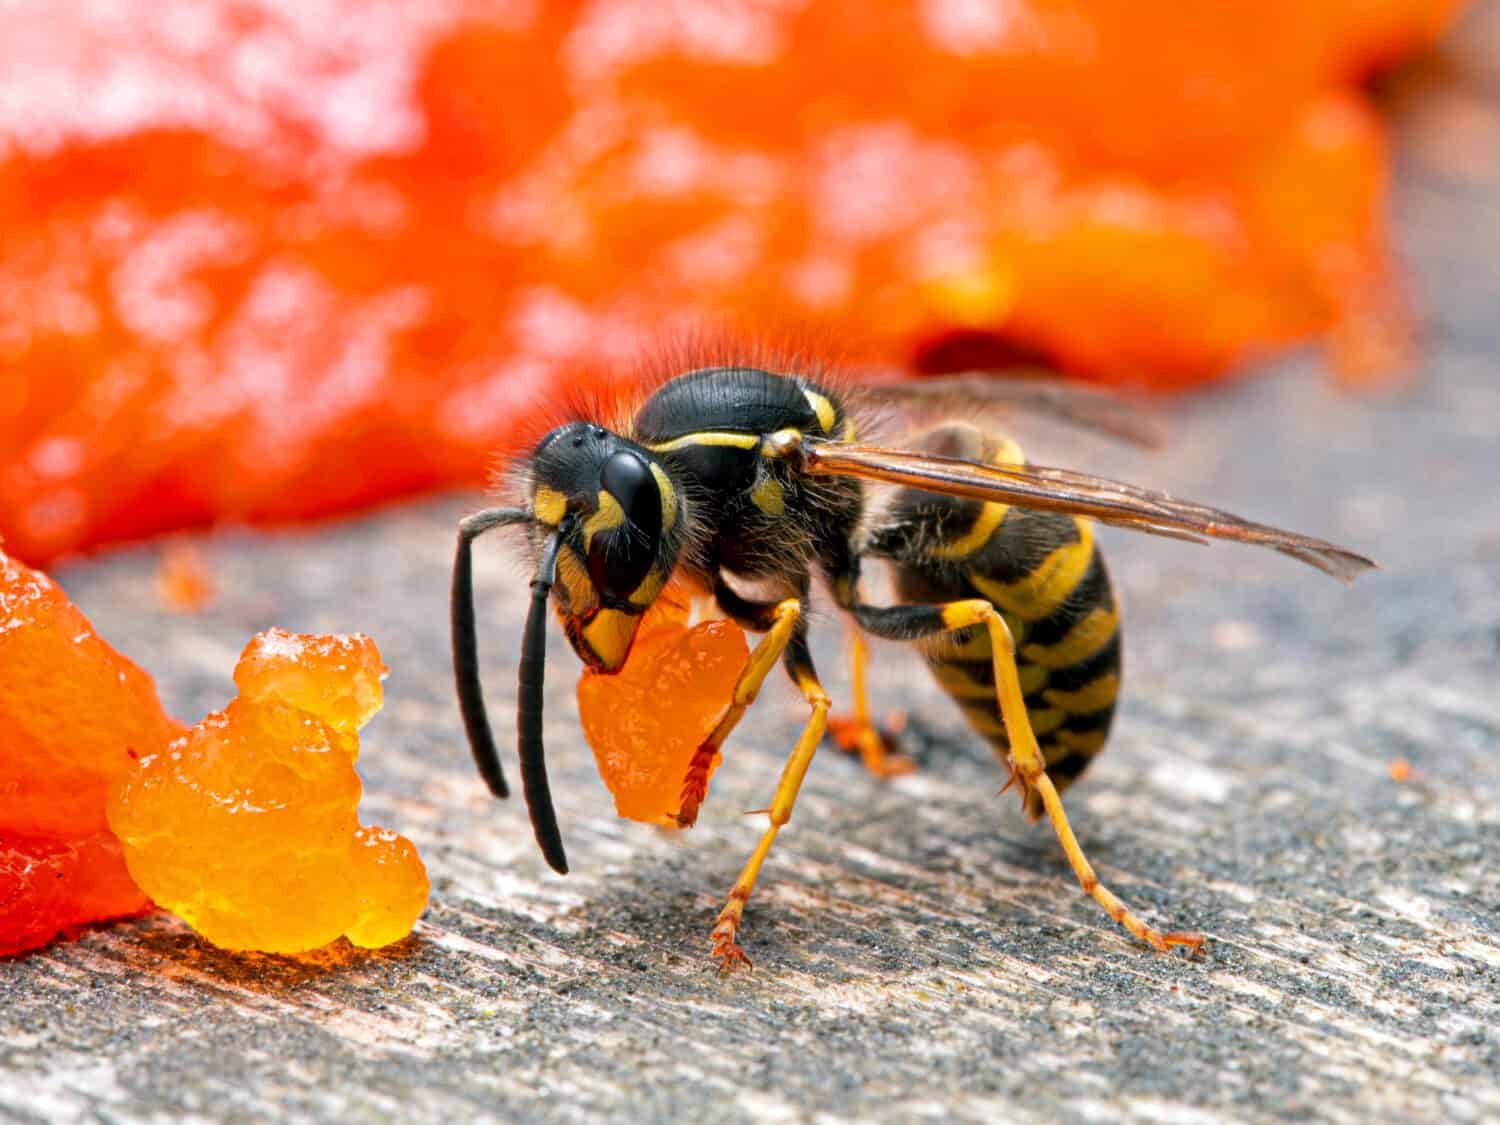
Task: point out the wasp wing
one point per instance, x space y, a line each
976 395
1062 490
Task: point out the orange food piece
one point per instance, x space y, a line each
282 298
393 887
247 827
51 885
73 711
646 721
243 828
336 677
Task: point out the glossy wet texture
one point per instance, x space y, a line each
247 827
74 714
645 722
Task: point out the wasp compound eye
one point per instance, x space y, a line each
625 534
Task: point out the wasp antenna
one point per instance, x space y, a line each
466 644
529 707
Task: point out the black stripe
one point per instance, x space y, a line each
1090 721
1092 592
1067 768
1099 663
981 671
1021 544
918 521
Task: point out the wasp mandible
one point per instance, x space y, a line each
733 477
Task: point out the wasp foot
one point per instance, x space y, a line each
875 747
731 957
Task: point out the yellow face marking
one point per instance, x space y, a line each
768 497
850 432
668 496
1086 637
609 515
990 517
1042 591
708 437
1095 696
573 576
827 415
549 505
1087 742
609 635
650 587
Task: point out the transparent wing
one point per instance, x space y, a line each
977 396
1062 490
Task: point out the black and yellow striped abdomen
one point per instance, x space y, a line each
1045 575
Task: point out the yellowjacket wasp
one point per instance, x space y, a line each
734 475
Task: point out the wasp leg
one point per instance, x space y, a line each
726 929
779 624
858 733
1027 764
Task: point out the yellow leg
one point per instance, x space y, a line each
1028 765
725 930
857 733
762 659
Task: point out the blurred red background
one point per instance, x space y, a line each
267 261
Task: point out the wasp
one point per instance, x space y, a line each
740 478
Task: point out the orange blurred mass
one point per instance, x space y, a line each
258 265
182 578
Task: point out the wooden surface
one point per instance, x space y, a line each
921 950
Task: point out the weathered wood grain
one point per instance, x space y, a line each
921 951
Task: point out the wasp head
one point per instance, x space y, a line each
616 512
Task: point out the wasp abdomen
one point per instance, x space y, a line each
1044 574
